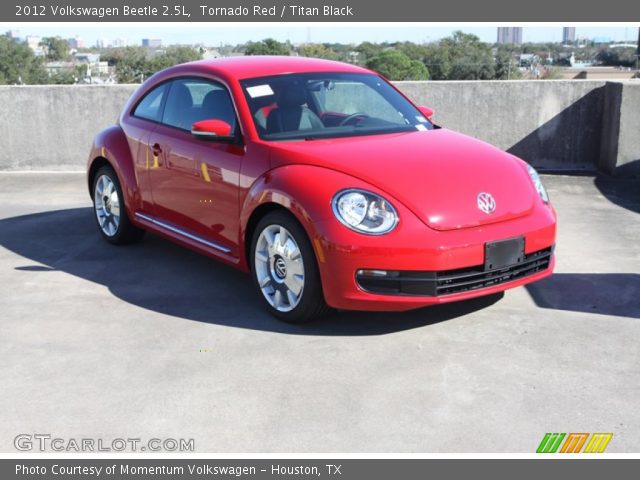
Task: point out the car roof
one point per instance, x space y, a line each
261 66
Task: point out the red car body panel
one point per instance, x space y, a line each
217 190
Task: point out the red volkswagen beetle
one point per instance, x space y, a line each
324 182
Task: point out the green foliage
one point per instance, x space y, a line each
64 77
132 64
617 57
460 57
174 56
268 46
19 65
368 50
506 66
56 48
318 50
396 65
413 50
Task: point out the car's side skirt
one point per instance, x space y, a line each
180 232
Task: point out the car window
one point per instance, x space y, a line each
149 106
349 97
326 105
192 100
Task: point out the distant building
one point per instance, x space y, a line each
151 42
33 41
76 43
568 35
512 35
120 42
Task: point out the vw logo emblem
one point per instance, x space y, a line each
486 203
280 267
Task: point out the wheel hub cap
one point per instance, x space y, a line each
107 205
279 268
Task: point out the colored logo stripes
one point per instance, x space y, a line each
573 442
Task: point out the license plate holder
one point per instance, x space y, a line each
503 253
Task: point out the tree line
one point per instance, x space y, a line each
461 56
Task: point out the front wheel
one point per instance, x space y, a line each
284 269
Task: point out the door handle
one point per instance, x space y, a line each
156 150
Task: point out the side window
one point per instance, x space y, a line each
191 100
149 107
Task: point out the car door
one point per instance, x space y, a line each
195 184
138 127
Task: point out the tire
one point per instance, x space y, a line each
110 212
286 275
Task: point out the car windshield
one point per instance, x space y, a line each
328 105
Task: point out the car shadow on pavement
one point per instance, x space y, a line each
614 294
160 276
624 191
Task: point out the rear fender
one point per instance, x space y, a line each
111 145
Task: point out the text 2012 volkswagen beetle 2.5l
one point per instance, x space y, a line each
322 180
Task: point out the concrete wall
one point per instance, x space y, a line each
563 125
51 127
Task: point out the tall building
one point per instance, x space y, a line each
568 35
510 35
151 42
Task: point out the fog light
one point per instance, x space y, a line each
377 273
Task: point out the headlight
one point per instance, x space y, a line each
535 178
364 212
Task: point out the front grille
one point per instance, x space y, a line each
446 282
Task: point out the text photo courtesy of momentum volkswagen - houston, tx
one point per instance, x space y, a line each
323 239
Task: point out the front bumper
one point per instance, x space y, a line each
430 267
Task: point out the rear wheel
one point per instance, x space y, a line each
284 269
111 215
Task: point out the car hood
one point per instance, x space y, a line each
437 174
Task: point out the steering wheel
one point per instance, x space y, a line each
352 117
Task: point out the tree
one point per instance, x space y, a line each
18 64
56 48
506 66
318 50
617 57
64 77
396 65
368 50
413 51
174 56
268 46
130 64
460 57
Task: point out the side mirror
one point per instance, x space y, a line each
427 112
215 130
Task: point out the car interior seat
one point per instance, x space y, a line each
217 105
292 114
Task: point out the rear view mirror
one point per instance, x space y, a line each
212 130
427 112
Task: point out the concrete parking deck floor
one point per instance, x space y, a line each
153 340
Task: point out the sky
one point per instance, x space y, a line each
215 35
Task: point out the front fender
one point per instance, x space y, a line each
111 145
304 190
